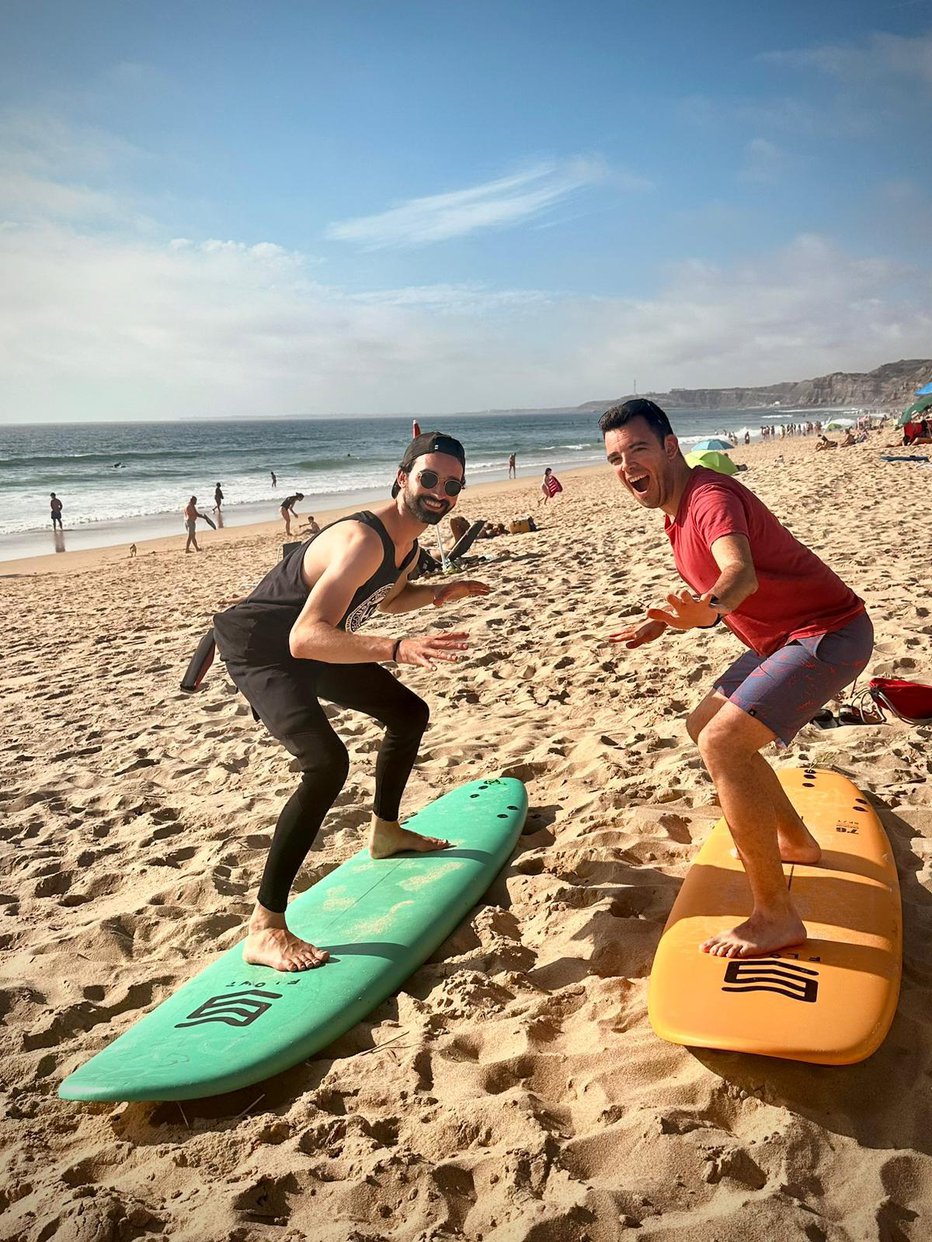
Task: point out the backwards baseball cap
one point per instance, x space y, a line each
429 442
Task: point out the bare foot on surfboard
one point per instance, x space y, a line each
270 943
388 837
757 937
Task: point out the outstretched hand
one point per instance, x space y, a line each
431 648
451 591
637 635
686 611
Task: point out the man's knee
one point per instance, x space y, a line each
324 767
409 719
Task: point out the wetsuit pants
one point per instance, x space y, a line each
286 698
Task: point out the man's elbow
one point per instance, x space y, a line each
303 643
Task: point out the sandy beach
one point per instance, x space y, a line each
513 1090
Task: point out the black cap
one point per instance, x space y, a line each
429 442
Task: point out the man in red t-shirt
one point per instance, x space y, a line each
808 636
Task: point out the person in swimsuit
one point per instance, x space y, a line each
808 636
190 524
295 640
288 511
550 486
56 508
218 497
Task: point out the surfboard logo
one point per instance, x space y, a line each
773 974
232 1008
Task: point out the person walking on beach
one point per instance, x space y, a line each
808 633
550 486
218 497
294 642
56 506
190 524
513 466
288 511
274 480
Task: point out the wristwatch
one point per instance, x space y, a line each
714 602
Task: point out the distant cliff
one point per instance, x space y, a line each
891 385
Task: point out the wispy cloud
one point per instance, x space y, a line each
764 162
496 204
879 56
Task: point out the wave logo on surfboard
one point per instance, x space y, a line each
232 1008
773 974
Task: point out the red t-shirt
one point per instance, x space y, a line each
797 596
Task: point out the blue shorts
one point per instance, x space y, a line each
785 690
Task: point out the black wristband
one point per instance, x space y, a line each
712 624
394 655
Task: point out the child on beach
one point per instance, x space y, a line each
550 486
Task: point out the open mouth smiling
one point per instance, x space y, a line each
640 484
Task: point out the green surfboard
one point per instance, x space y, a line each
234 1024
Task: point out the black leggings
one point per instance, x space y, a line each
286 700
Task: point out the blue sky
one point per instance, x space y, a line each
316 208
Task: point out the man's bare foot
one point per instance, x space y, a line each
388 837
270 943
757 937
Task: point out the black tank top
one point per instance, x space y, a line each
260 625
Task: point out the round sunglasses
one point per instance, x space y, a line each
430 479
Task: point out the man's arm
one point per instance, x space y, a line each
351 561
410 595
737 580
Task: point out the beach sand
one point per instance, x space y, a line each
513 1089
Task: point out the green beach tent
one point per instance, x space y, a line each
712 461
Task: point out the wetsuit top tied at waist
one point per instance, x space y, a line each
259 626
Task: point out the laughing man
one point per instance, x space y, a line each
808 633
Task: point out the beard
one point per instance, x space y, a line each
421 513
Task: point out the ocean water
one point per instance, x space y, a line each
120 482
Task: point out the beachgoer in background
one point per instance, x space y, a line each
274 480
550 486
288 512
824 442
513 466
56 506
218 497
294 641
808 633
190 524
312 527
132 551
848 440
747 437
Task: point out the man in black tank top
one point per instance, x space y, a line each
295 641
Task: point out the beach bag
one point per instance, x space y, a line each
910 701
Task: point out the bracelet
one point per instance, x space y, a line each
394 655
712 624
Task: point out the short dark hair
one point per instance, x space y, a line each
638 407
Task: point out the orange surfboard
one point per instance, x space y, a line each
830 1000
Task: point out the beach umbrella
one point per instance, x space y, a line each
712 461
839 424
914 411
712 446
924 391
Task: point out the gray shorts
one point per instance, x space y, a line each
785 690
190 525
